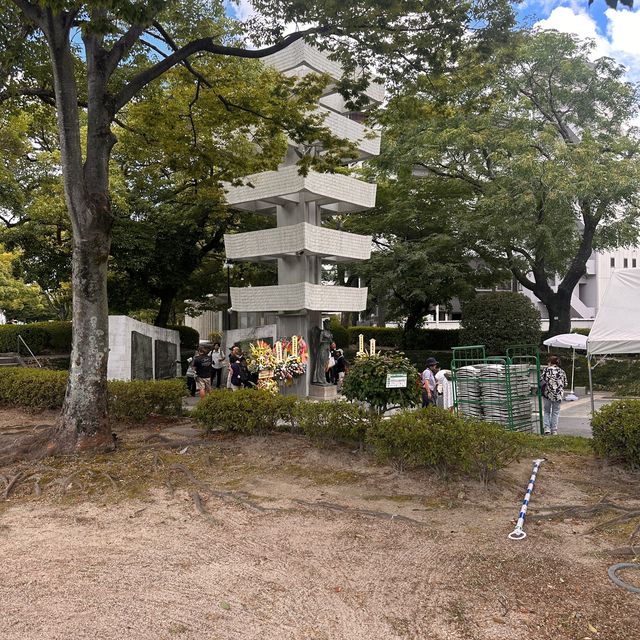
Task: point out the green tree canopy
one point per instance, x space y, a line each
538 146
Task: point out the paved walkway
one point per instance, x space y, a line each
575 417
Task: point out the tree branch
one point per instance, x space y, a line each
208 45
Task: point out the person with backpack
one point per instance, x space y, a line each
239 374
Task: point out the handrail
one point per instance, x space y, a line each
20 338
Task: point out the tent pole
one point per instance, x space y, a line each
573 368
590 383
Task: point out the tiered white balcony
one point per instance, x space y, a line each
331 191
297 239
298 297
367 141
300 58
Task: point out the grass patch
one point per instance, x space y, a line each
320 476
559 444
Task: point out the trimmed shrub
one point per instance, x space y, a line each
137 399
38 389
421 339
42 337
384 336
189 338
366 381
499 320
425 438
340 333
616 432
249 411
334 421
35 389
439 440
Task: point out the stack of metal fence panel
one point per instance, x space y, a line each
498 389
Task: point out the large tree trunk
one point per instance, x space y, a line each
559 308
164 312
83 423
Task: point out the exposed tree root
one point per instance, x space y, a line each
580 511
332 506
11 483
623 519
63 483
197 501
238 496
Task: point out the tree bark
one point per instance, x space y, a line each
164 312
83 422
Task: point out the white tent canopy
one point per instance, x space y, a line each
567 341
616 328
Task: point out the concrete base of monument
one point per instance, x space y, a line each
330 392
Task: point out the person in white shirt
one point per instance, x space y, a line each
445 388
218 358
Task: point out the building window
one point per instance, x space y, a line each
613 262
633 263
625 263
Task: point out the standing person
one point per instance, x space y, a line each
429 392
191 376
202 364
331 374
553 381
218 358
443 380
340 367
234 356
239 374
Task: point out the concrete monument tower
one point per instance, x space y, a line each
300 243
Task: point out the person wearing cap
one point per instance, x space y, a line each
429 393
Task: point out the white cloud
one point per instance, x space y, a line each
567 20
624 30
621 40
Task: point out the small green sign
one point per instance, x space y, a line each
396 380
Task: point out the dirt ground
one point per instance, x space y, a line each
273 538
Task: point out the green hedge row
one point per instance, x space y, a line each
189 338
431 438
421 339
42 337
55 337
38 389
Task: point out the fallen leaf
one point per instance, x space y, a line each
498 620
337 589
225 605
592 628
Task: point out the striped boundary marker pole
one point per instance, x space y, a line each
518 533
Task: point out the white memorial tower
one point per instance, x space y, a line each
299 243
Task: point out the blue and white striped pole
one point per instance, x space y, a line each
518 533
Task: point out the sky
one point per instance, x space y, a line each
616 33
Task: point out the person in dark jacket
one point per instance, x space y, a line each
340 367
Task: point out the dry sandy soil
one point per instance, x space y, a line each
272 538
